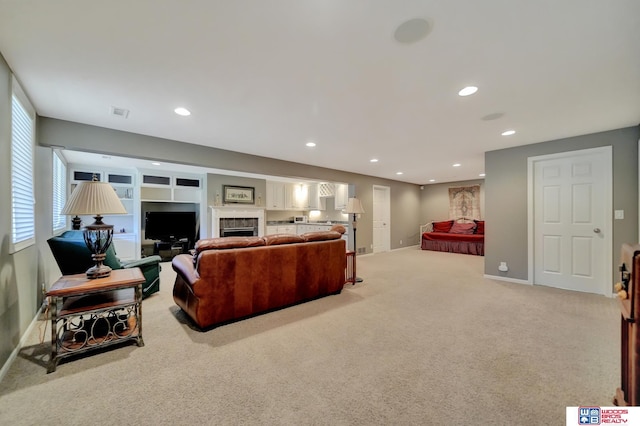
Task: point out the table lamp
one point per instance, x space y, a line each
354 207
95 198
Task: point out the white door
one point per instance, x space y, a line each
572 220
381 218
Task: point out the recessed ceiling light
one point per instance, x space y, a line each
481 175
432 180
457 165
311 144
399 173
508 132
155 163
469 90
182 111
374 160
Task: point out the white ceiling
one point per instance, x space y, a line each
265 76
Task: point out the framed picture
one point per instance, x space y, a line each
238 194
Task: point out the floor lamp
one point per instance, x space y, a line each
95 198
354 207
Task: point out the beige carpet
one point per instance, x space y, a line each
424 340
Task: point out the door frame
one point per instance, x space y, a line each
387 238
607 153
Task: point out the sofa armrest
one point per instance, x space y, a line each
141 263
183 265
150 267
427 227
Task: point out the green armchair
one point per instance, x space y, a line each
73 257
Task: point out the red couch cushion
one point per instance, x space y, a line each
463 228
479 226
443 226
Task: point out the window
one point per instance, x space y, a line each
22 153
59 193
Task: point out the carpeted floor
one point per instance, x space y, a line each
424 340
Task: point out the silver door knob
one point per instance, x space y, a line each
596 230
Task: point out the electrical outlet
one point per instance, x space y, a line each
400 242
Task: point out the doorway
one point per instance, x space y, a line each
381 218
570 235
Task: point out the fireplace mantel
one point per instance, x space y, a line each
224 212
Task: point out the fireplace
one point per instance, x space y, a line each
238 222
239 227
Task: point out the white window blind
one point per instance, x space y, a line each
59 193
22 153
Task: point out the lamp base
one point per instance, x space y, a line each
98 271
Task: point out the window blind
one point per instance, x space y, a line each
22 153
59 193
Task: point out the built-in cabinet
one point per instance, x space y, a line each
132 187
125 226
177 188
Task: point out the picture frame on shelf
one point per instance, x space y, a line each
238 194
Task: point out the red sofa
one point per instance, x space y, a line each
461 236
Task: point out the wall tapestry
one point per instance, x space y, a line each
464 202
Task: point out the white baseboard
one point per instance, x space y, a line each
406 247
511 280
23 339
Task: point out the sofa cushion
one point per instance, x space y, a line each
275 239
222 243
443 226
321 235
479 226
462 228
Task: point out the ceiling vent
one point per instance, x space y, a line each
119 112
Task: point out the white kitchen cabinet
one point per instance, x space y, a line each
295 196
341 196
281 229
275 196
314 202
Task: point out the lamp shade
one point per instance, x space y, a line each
354 206
94 198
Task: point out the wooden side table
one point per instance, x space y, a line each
89 314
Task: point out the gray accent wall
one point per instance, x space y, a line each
405 197
22 273
506 196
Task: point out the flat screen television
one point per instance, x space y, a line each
170 226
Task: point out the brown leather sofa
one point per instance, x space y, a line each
230 278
